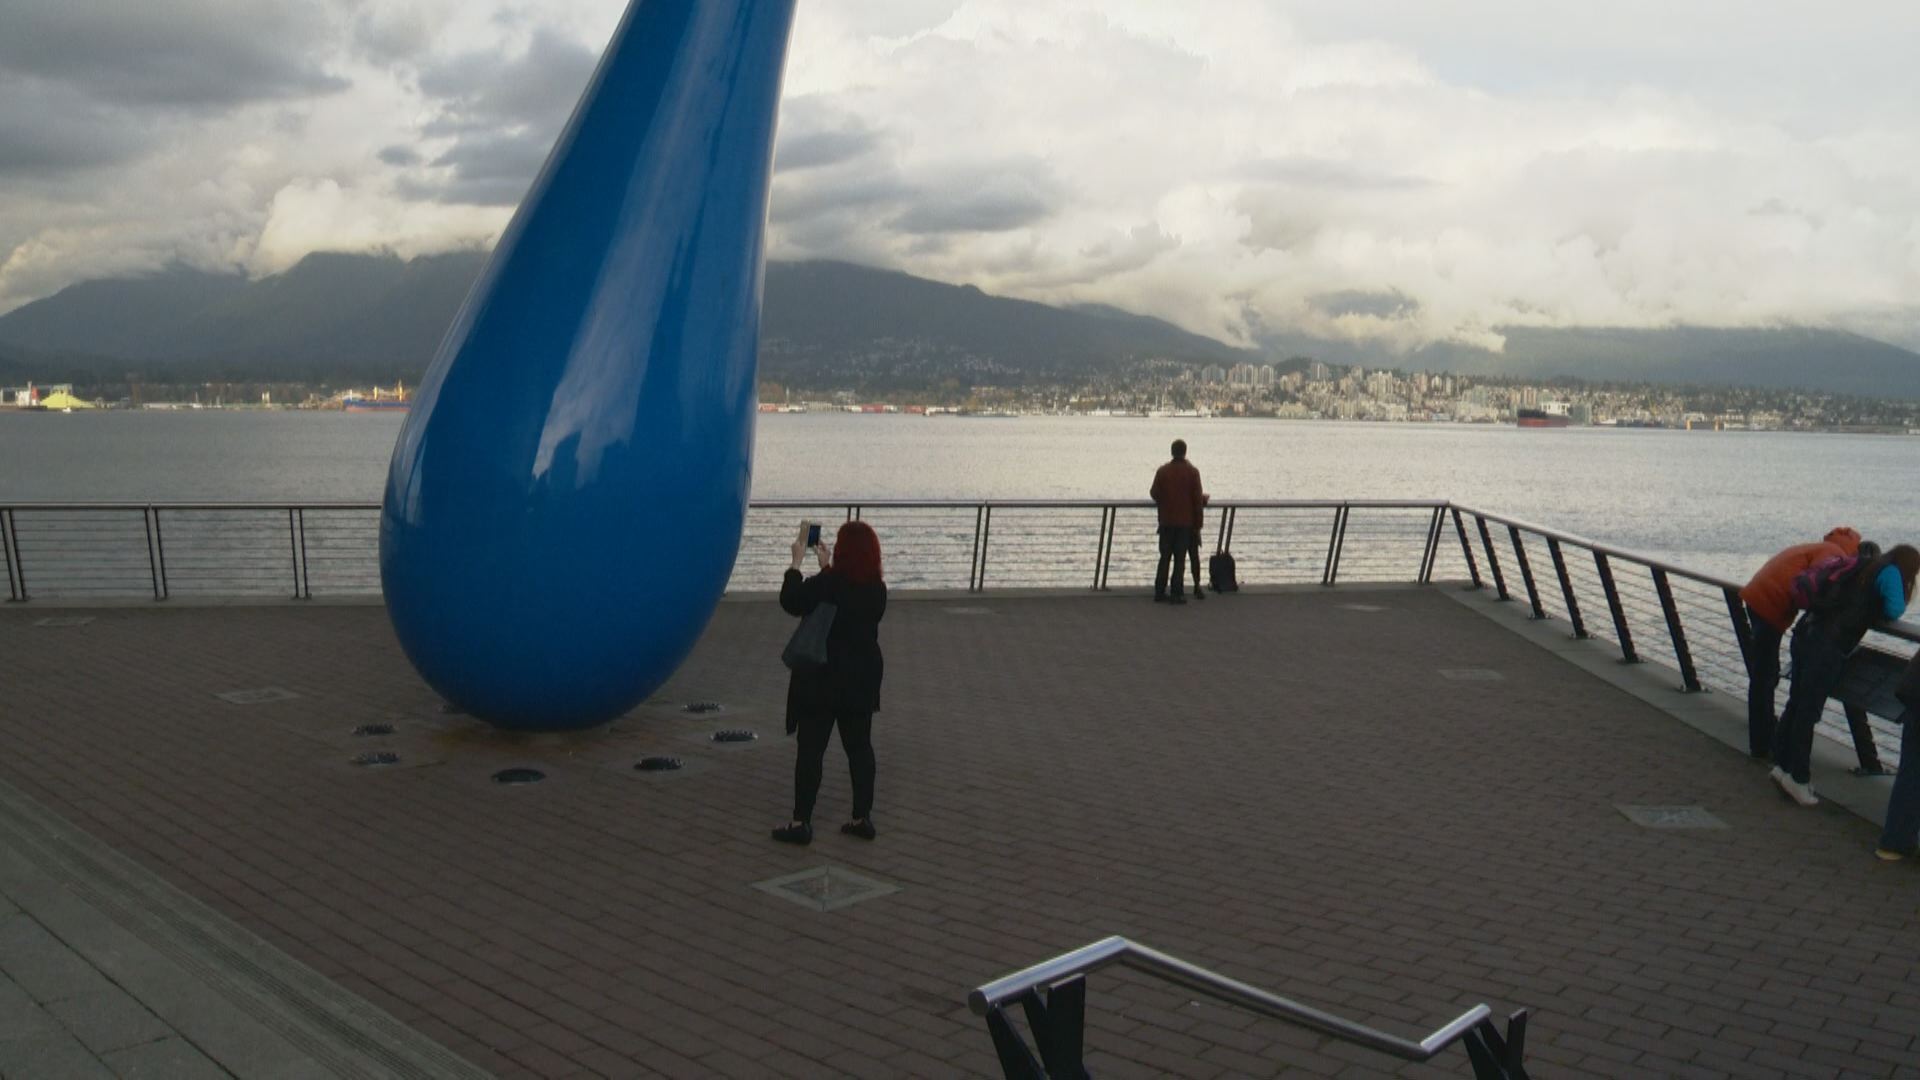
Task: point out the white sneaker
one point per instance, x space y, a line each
1798 792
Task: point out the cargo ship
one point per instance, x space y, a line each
394 400
1540 418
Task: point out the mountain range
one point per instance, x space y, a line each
340 317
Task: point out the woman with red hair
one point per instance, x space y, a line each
846 691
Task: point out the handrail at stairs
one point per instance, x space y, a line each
1057 1021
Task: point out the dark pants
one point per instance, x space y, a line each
1174 542
1817 665
1193 554
1902 832
1763 672
856 737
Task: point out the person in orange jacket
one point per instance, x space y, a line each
1771 611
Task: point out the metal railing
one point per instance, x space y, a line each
300 551
1057 1019
1650 609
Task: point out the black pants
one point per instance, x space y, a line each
1174 542
1763 673
856 737
1818 662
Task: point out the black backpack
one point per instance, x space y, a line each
1220 573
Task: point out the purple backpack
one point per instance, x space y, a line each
1822 586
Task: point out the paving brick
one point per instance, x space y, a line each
1280 789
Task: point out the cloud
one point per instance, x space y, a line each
184 53
1241 168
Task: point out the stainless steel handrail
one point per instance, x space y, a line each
1119 950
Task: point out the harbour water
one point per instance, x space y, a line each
1714 501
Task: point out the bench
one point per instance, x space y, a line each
1866 686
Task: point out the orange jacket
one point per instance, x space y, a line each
1767 594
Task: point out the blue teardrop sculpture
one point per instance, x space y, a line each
567 497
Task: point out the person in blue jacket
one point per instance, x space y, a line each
1821 643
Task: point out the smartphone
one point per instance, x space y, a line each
813 536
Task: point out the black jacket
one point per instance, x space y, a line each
850 683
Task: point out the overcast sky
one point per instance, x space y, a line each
1409 171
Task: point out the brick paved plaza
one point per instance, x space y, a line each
1287 787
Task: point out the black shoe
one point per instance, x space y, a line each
801 834
1198 595
1159 598
862 828
1176 598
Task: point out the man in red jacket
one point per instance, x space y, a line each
1176 492
1770 611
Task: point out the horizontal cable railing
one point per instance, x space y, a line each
1053 994
1650 609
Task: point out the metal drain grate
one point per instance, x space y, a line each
377 757
1363 607
968 611
659 764
256 697
1671 817
519 776
1471 674
826 888
701 708
373 729
63 620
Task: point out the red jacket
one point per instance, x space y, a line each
1767 594
1176 491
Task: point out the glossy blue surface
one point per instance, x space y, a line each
567 497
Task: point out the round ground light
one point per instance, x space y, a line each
734 735
700 708
373 729
378 757
658 764
519 776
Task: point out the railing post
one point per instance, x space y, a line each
1466 549
1863 746
1688 677
293 551
153 564
1493 560
1566 588
1335 543
1432 553
1100 547
10 547
1526 571
973 560
986 539
1106 564
160 552
1620 628
306 577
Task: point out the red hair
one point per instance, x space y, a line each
856 553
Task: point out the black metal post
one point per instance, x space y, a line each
1493 559
1220 537
1466 548
1526 572
1233 522
153 565
1335 545
973 560
1106 565
160 549
1431 555
306 575
1100 547
1679 634
986 538
1566 588
1863 747
10 547
1620 628
293 551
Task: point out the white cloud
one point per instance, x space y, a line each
1227 165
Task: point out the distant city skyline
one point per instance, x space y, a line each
1403 173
